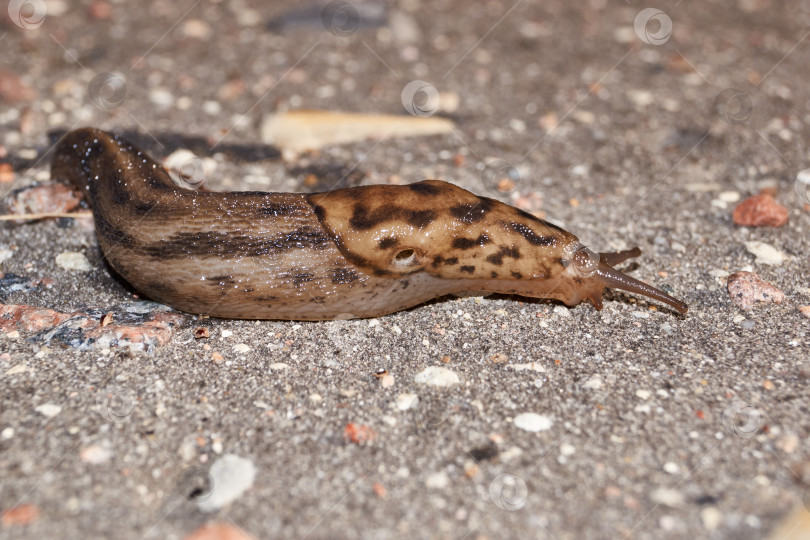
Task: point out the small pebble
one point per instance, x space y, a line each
747 288
437 480
711 518
671 467
643 394
765 253
241 348
406 401
161 97
95 454
231 476
533 422
278 366
805 310
71 260
20 515
666 496
567 449
7 433
594 383
48 409
387 380
437 376
760 211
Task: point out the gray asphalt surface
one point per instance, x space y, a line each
657 425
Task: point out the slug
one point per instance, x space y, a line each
356 252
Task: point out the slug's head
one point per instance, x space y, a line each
479 243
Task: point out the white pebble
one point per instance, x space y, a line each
671 467
765 253
405 401
161 97
437 480
230 476
212 107
48 409
567 449
562 311
532 366
666 496
437 376
227 333
95 454
711 517
7 433
5 254
729 196
71 260
594 383
241 348
643 394
278 366
533 422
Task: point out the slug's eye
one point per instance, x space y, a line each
405 257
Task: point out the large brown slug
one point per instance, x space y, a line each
357 252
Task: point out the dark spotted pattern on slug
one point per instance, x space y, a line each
358 252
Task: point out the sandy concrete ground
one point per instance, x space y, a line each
649 424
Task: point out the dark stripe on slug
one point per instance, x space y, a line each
472 212
497 258
363 220
342 276
532 237
388 242
320 212
424 189
303 277
467 269
468 243
225 245
421 218
517 275
280 209
536 219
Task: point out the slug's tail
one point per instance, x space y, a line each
610 277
